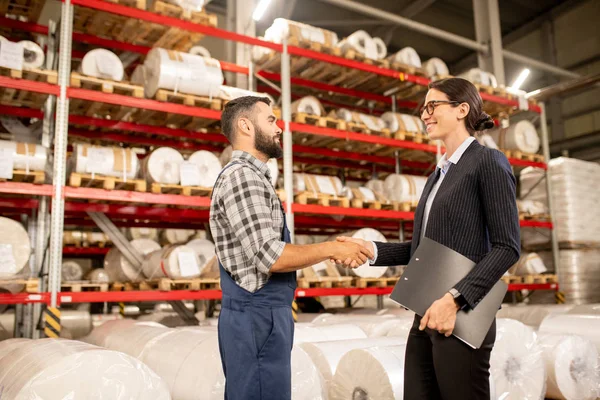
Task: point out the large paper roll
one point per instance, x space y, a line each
315 184
162 166
313 333
15 247
477 75
366 270
372 122
401 327
381 48
100 335
404 188
98 275
176 236
182 72
375 373
572 367
283 28
119 269
33 55
372 325
142 233
403 122
138 77
528 264
517 363
9 345
308 105
25 156
377 186
174 261
77 323
71 271
408 56
204 249
102 63
307 381
209 167
520 136
30 372
435 67
532 315
361 42
109 161
200 51
586 326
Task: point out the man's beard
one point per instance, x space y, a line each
267 145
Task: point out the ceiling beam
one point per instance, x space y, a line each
416 7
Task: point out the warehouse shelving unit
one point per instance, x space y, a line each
70 205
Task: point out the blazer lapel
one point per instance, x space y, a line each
421 207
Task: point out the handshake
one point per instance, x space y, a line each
351 252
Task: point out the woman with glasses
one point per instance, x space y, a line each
468 205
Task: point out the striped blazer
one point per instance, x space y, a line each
474 213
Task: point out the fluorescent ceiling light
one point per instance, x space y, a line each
520 79
260 9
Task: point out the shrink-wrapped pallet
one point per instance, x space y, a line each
23 156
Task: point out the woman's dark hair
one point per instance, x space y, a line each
463 91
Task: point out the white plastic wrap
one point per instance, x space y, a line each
102 63
285 28
402 326
372 325
33 55
375 373
517 362
584 325
208 165
531 207
119 269
110 161
318 333
98 275
372 122
435 67
53 369
365 270
25 156
529 264
408 56
71 271
9 345
142 233
361 42
307 381
377 186
15 247
308 105
330 185
396 122
162 166
476 75
77 323
182 72
532 315
200 51
520 136
404 188
138 76
173 261
572 366
205 250
101 333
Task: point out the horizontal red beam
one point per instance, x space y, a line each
508 102
31 86
85 251
135 197
536 224
524 163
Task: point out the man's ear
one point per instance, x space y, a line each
244 125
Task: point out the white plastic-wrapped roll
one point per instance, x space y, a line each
307 381
376 185
101 334
381 48
361 42
133 339
408 56
98 275
119 269
102 63
477 75
25 156
78 323
370 121
401 327
200 51
30 371
9 345
435 67
138 77
110 161
15 247
162 166
285 28
585 309
142 233
587 326
176 236
487 141
330 185
33 55
182 72
71 271
372 325
520 136
404 188
403 122
533 314
7 327
209 167
230 93
529 264
204 249
174 261
517 363
572 367
366 270
308 105
374 373
313 333
327 355
531 207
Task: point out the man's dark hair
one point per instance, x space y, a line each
240 107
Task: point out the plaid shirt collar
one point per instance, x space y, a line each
260 166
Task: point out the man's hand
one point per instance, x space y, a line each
441 316
363 243
350 253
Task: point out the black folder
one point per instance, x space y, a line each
433 270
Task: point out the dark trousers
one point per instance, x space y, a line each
444 368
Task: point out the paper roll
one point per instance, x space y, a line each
15 247
375 373
361 42
173 261
377 186
381 48
586 326
119 269
372 325
532 315
408 56
403 122
517 363
33 55
370 121
479 76
100 335
572 367
77 323
291 29
9 345
71 271
318 184
25 156
102 63
308 105
401 327
138 77
142 233
176 236
307 381
528 264
365 270
109 161
182 72
520 136
162 166
98 275
204 249
435 67
200 51
313 333
404 188
209 167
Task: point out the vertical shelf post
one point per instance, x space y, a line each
288 163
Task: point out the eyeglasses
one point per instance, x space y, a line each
430 107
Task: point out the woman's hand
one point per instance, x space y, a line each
345 239
441 316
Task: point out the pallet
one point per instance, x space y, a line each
99 23
316 120
188 99
322 199
519 155
30 284
576 245
407 206
362 128
19 175
367 204
534 217
495 91
411 137
24 98
166 284
83 286
530 279
375 282
106 182
106 86
325 282
160 188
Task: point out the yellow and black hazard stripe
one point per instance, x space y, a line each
560 297
295 310
52 322
122 309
